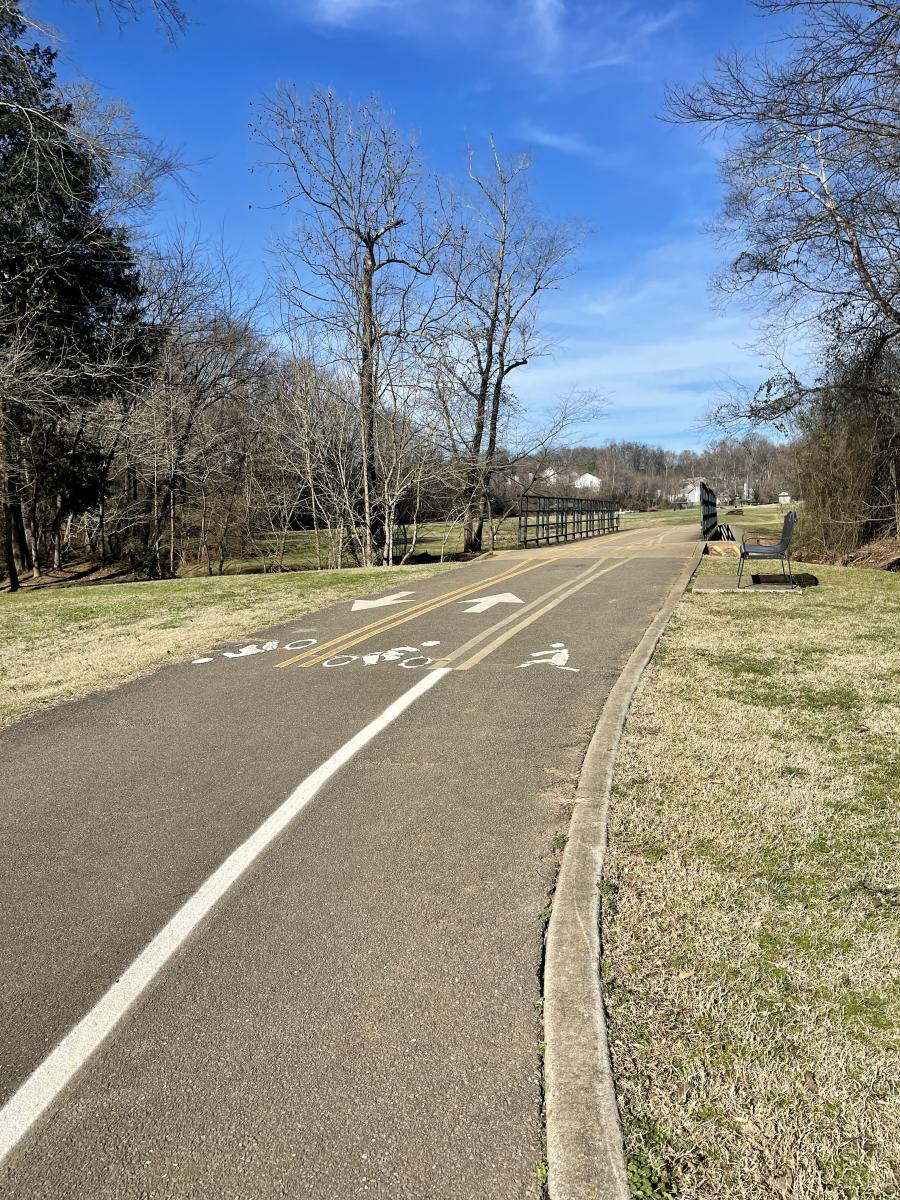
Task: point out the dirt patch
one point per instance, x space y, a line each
883 555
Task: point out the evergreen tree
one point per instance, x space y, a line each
71 333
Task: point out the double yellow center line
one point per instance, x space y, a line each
338 645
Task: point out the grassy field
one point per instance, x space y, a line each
757 520
751 901
434 539
58 644
665 517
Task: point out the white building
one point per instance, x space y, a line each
784 497
690 493
587 481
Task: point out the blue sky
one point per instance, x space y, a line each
576 82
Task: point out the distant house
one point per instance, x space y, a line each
587 482
690 492
784 497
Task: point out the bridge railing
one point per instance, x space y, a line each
547 519
709 512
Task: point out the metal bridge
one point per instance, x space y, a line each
547 519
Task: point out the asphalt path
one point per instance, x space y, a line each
343 827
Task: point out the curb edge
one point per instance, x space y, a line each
585 1152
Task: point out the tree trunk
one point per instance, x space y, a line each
368 396
488 470
101 531
57 533
8 553
171 528
9 556
31 528
21 538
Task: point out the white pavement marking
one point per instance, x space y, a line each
519 620
481 604
396 598
556 656
46 1082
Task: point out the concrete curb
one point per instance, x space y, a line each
585 1154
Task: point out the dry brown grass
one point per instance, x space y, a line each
751 906
59 644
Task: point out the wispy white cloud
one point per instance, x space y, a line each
572 144
648 337
551 38
581 36
547 19
349 12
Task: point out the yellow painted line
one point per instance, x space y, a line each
532 617
375 625
315 657
520 614
318 654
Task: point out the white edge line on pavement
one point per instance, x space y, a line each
46 1082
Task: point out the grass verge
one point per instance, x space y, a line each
751 906
756 520
59 644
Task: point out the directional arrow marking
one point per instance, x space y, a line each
481 604
397 598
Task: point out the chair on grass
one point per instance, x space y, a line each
781 550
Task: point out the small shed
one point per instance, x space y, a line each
784 497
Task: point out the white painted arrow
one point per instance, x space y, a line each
482 603
397 598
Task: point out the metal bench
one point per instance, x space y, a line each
781 550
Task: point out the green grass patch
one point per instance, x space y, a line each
751 899
304 552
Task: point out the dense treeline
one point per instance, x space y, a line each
151 411
154 412
751 467
813 212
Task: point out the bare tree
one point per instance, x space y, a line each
363 244
208 352
813 208
50 125
813 192
501 259
171 16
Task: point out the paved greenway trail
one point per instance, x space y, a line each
347 1007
